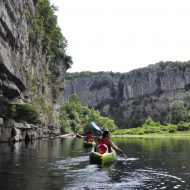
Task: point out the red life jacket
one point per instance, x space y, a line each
104 141
103 146
90 137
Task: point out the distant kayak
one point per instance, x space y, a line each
105 158
89 144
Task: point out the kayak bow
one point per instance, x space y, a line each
89 144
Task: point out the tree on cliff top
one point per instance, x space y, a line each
53 42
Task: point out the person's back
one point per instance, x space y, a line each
105 140
89 137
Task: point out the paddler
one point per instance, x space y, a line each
106 140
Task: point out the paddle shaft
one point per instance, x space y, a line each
124 154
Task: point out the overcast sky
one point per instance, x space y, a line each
122 35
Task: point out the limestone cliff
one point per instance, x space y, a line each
129 98
25 75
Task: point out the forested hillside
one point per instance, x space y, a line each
129 98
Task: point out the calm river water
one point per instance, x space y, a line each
160 163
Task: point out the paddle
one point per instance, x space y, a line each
96 126
117 148
93 125
124 154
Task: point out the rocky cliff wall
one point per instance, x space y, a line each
131 97
24 68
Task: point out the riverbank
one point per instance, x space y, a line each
155 135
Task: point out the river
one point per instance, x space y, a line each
63 164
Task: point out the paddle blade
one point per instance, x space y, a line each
95 126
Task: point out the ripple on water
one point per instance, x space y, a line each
177 186
68 164
89 177
119 158
160 176
95 177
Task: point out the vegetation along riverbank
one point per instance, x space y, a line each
77 119
155 129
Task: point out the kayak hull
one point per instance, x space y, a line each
89 144
102 159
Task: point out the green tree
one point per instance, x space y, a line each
77 118
178 111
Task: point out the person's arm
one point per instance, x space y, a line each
113 145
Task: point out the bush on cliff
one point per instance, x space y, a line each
23 112
54 43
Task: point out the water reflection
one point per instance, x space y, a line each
160 163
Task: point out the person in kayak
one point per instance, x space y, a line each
106 140
89 137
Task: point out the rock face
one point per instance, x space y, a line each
24 74
131 97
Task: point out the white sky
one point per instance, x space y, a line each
122 35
